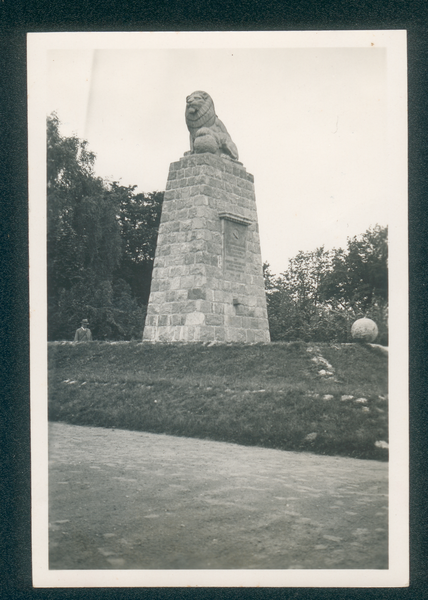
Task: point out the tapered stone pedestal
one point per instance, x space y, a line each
207 282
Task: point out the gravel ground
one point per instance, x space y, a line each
131 500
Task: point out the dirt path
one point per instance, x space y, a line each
131 500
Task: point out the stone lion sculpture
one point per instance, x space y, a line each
207 132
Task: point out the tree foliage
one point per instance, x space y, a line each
323 292
139 217
101 240
359 275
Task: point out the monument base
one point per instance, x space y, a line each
207 282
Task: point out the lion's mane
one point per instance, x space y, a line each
207 132
204 116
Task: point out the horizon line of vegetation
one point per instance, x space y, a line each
101 241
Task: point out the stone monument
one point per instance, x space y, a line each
207 282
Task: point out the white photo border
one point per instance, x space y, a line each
397 575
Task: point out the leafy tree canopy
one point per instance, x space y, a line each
323 292
359 275
101 239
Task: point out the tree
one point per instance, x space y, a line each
295 306
139 218
304 278
280 307
358 282
359 277
323 292
101 241
83 235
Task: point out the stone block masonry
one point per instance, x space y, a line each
207 283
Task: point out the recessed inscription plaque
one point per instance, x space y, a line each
235 235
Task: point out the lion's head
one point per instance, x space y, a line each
200 111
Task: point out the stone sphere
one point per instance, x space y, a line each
364 330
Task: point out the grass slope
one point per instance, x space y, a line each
324 398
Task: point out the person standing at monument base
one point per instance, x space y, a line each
83 334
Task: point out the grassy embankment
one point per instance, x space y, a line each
323 398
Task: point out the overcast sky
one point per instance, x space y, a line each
310 124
